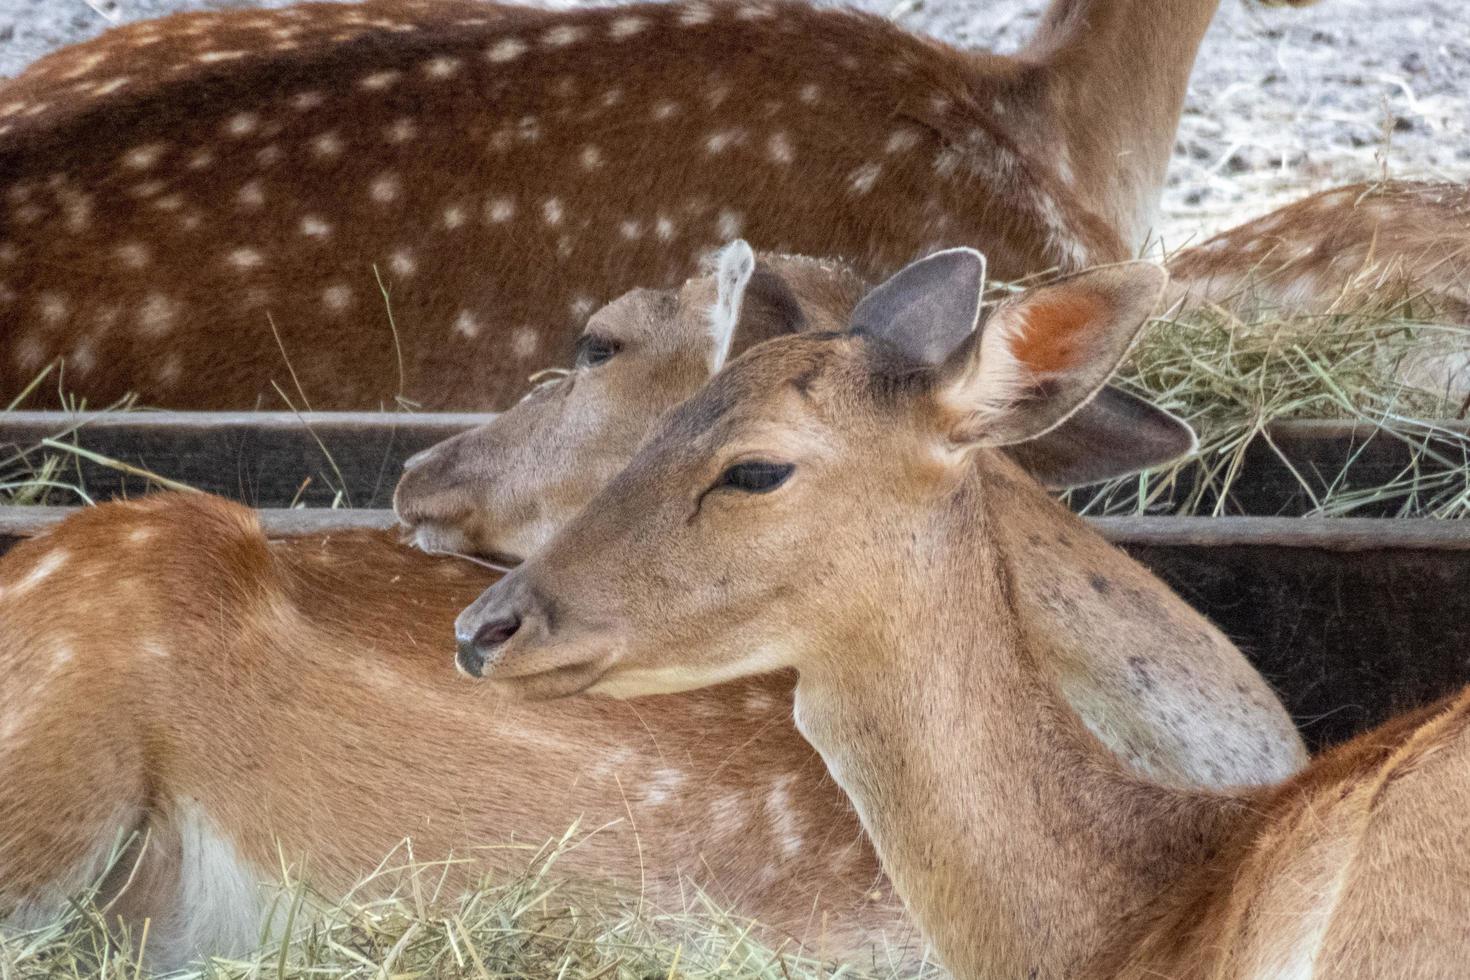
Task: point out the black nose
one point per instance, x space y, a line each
474 651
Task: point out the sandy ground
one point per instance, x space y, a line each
1283 100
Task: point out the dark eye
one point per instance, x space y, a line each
593 350
755 477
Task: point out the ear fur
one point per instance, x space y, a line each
1042 354
1111 435
733 269
927 309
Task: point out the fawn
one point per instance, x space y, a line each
835 503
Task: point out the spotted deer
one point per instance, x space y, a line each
167 673
1399 245
422 198
835 504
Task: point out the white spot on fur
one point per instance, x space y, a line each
500 210
403 263
591 157
245 258
441 67
525 343
306 101
718 142
665 110
454 217
664 228
143 157
44 569
314 227
901 140
783 817
625 27
379 80
242 124
157 315
134 255
662 787
729 223
562 35
385 188
467 325
337 298
327 145
52 307
861 180
695 15
401 130
508 49
582 307
810 93
551 211
251 195
631 230
779 149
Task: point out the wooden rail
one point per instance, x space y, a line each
279 459
1352 620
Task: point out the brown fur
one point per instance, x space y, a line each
301 695
182 227
935 602
1389 243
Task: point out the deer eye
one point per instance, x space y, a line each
593 350
754 477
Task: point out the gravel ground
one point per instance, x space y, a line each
1283 101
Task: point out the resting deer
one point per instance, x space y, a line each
1389 244
503 488
189 205
835 503
167 672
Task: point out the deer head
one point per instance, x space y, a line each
702 543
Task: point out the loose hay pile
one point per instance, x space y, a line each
531 926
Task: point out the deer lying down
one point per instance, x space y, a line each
835 503
188 204
1385 244
166 671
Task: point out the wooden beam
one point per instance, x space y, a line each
277 459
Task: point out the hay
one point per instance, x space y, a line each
398 923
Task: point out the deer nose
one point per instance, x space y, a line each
476 648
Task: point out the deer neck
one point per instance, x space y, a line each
1018 842
1113 75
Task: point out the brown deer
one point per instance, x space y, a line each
835 503
166 672
422 198
1393 244
502 489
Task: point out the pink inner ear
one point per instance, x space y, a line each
1050 336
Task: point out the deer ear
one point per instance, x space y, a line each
1044 353
733 268
1109 436
929 308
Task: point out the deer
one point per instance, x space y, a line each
410 201
502 489
226 704
1396 244
838 504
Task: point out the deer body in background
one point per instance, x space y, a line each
164 671
1397 246
835 503
188 205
